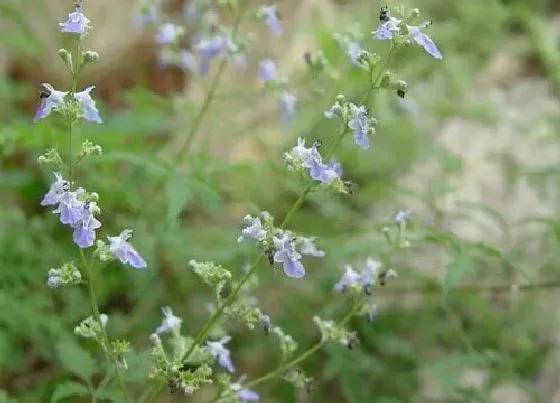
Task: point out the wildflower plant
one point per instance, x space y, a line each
185 362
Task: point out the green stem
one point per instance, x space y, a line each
184 149
317 346
106 346
290 364
148 396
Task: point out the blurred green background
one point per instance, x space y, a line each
472 150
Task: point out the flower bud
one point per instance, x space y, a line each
66 57
89 56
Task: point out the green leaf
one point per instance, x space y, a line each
112 395
178 195
76 360
69 389
461 265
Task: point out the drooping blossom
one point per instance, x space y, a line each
124 251
221 353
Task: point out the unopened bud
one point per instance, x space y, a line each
66 58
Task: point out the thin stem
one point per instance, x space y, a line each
184 149
148 396
317 346
106 346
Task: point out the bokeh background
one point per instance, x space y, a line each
473 151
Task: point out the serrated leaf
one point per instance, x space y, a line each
69 389
178 195
461 265
76 360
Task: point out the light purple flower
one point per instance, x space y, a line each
268 70
402 216
348 279
387 29
287 107
221 353
84 229
50 99
331 171
170 321
270 16
309 248
167 33
208 49
77 23
360 125
417 36
89 108
334 111
354 49
124 251
369 275
252 230
245 395
57 189
288 256
70 207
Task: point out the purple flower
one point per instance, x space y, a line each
84 229
70 207
268 70
334 111
309 248
248 395
369 274
57 189
253 229
354 49
287 106
124 251
287 255
348 279
221 353
270 16
167 33
50 99
170 321
360 125
89 108
209 48
331 171
402 216
387 29
77 23
416 35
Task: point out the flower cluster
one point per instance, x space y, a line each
68 274
364 281
280 246
355 118
302 158
76 208
390 28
